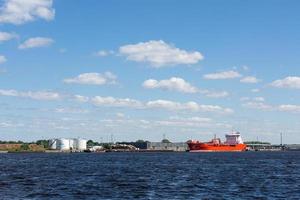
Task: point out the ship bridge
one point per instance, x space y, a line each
234 138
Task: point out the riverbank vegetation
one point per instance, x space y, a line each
20 146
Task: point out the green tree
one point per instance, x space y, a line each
90 143
106 146
24 147
165 141
44 143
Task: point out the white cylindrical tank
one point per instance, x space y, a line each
72 144
81 144
64 144
53 144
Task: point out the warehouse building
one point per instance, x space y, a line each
164 145
161 146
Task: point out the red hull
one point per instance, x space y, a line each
200 147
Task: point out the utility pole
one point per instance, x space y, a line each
281 140
112 138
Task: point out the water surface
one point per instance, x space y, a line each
247 175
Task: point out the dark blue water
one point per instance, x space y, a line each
248 175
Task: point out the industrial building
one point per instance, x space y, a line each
159 146
68 144
292 147
162 146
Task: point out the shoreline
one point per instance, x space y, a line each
143 151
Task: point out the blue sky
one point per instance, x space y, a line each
141 69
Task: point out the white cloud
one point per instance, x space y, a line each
174 83
13 93
62 50
222 75
189 106
22 11
6 125
249 79
292 82
215 94
93 79
255 90
36 42
170 105
159 54
180 85
42 95
115 102
257 105
185 122
289 108
193 123
261 99
71 110
260 105
158 104
37 95
120 115
5 36
192 119
103 53
2 59
244 99
245 68
81 99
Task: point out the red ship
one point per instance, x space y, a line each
233 142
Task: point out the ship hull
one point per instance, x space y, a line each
204 147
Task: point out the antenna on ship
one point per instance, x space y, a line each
232 130
281 139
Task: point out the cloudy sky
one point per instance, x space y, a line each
142 69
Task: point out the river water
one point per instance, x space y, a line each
246 175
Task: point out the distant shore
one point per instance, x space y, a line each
90 146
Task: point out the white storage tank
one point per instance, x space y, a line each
53 144
81 144
64 144
72 144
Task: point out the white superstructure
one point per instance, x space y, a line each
234 138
